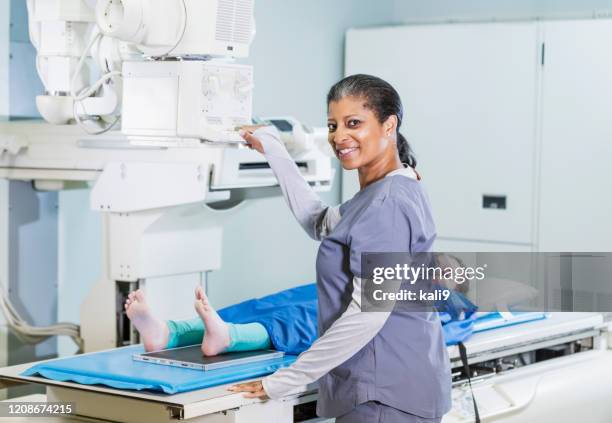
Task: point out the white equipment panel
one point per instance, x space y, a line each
186 99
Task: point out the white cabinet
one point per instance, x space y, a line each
464 90
576 163
511 124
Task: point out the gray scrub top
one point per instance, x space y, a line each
406 365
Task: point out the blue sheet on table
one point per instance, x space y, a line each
117 369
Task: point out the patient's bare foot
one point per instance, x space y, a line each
153 332
216 336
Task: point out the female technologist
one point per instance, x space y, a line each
371 366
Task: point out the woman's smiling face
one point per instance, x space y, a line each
355 134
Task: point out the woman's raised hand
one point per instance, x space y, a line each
246 132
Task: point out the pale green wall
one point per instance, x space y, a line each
409 10
4 57
24 82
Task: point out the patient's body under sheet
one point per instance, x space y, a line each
289 316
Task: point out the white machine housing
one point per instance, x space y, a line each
143 35
180 28
199 98
59 31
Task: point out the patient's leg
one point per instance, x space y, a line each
220 336
216 334
154 332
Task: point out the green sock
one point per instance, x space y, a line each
243 337
248 337
185 332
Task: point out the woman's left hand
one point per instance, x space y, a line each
253 389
